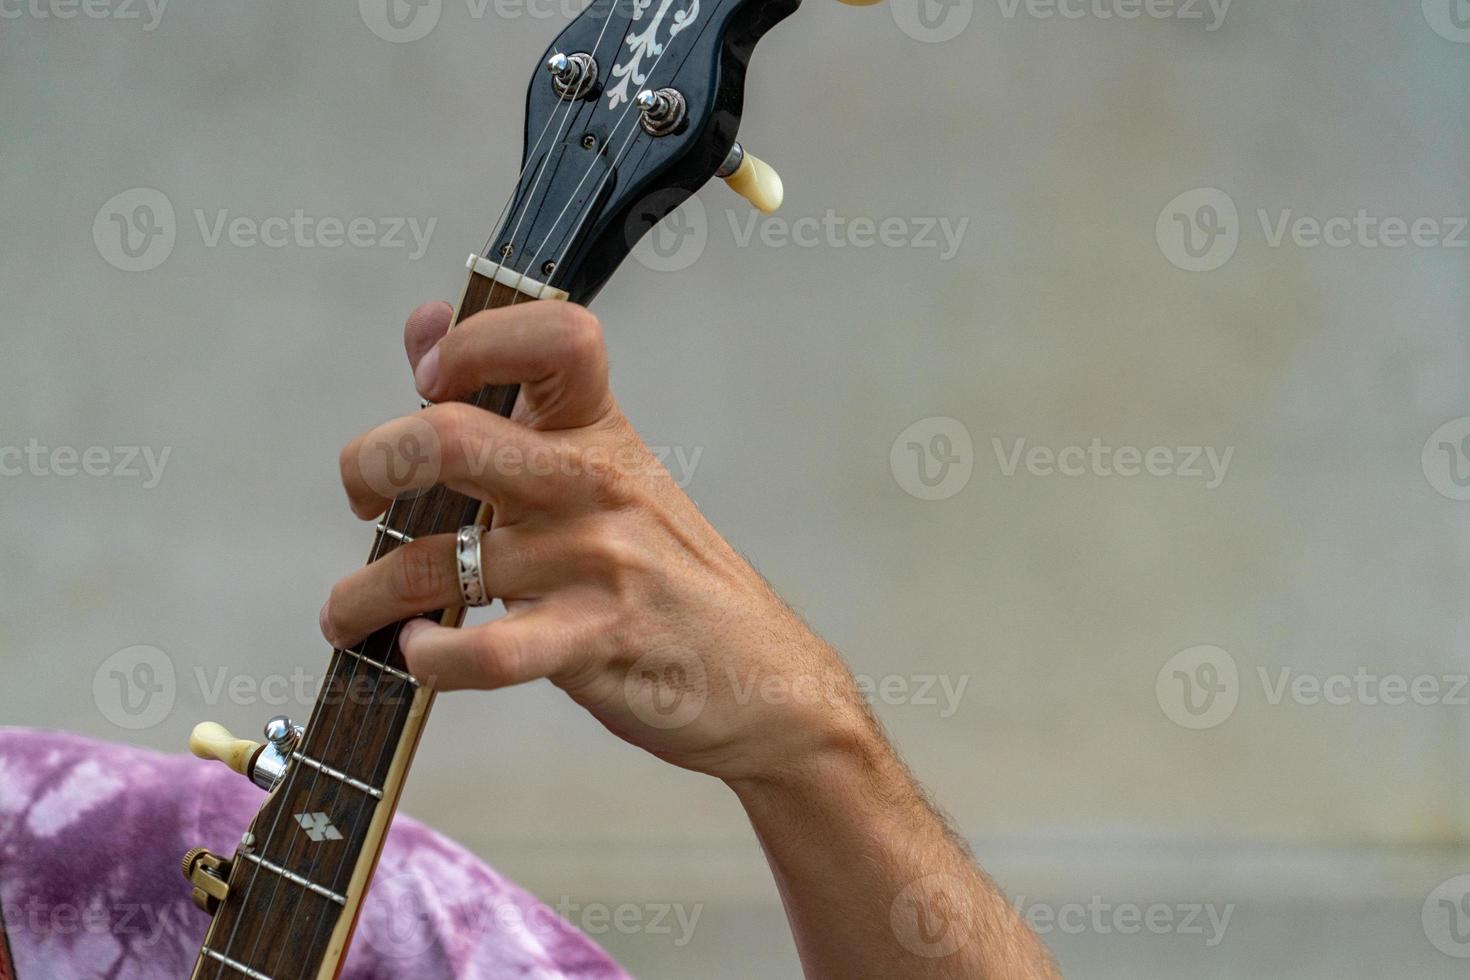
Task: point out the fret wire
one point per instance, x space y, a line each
443 499
338 775
386 668
296 879
235 965
469 510
431 512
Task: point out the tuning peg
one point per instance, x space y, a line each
212 741
752 178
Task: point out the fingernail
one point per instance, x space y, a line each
324 620
426 375
411 629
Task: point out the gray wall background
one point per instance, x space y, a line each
1333 545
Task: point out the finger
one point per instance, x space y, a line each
471 451
554 350
526 645
423 575
424 328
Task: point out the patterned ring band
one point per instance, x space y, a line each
467 553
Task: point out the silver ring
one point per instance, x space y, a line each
467 553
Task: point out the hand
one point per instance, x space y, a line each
616 587
620 593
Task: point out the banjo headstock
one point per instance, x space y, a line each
633 107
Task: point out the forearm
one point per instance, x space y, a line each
874 884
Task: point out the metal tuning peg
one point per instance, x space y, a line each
573 76
281 739
263 764
209 874
661 112
753 179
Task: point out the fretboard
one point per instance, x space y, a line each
299 875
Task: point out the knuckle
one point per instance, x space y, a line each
419 573
459 427
618 556
599 470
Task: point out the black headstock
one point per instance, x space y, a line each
598 170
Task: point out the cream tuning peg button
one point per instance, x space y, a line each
753 179
211 741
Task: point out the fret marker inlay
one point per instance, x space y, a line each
318 826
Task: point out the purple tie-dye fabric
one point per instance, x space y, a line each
90 840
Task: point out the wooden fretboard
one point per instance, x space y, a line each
299 876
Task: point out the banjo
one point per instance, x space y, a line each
637 104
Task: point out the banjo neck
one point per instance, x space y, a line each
286 903
603 163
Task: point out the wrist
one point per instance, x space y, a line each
843 758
